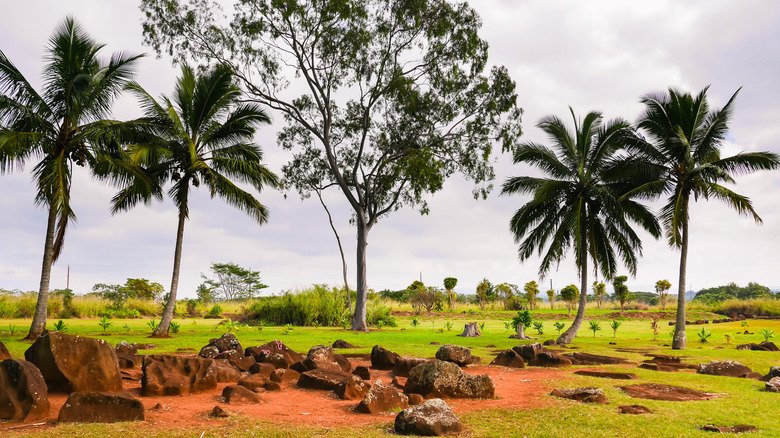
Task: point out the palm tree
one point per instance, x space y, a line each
202 134
680 156
577 207
66 124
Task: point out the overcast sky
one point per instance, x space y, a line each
595 55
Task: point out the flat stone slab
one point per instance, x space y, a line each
657 391
584 395
594 359
607 375
740 428
634 410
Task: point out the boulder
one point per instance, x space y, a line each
456 354
634 410
405 364
4 354
528 351
218 412
728 368
253 382
263 369
607 375
237 359
430 418
658 367
363 372
550 342
277 347
549 360
272 386
353 388
226 373
235 395
321 357
773 385
227 342
773 372
399 382
284 375
128 361
23 393
508 358
445 379
415 399
763 346
124 347
584 395
176 375
101 407
383 359
382 398
471 330
209 352
275 359
340 343
740 428
322 379
75 364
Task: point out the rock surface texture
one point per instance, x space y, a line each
445 379
381 398
101 407
23 393
584 395
430 418
176 375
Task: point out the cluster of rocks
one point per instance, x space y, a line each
538 355
763 346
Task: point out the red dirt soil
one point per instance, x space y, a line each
515 389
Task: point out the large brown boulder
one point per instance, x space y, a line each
237 359
277 347
445 379
264 369
176 375
404 365
101 407
254 382
23 394
728 368
429 418
529 351
456 354
284 375
508 358
584 395
549 360
353 388
226 373
763 346
75 364
322 379
383 359
321 357
381 398
4 354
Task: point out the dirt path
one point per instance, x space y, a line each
515 389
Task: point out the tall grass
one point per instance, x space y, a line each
316 305
752 306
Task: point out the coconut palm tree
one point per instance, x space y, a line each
576 206
200 135
65 124
680 156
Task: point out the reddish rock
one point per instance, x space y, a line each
277 347
340 343
381 398
101 407
226 373
23 393
508 358
658 367
124 347
740 428
218 412
4 354
235 395
237 359
763 346
227 342
430 418
662 358
353 388
657 391
264 369
415 399
634 410
445 379
321 357
550 342
584 395
607 375
322 379
176 375
399 381
362 372
405 364
128 361
456 354
272 386
550 360
284 375
75 364
528 351
275 359
383 359
253 381
727 368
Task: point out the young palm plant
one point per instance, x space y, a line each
200 135
65 124
681 157
576 206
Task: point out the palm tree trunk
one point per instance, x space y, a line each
38 324
679 341
571 332
165 321
359 317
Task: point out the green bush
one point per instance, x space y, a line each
304 308
215 311
377 313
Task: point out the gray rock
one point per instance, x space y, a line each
445 379
456 354
430 418
773 385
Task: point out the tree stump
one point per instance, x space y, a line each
470 330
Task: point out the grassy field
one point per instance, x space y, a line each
745 402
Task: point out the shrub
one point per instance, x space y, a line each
615 325
594 326
377 313
559 326
303 308
105 323
215 311
60 326
539 327
175 326
704 334
767 334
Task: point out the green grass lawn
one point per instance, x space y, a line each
744 402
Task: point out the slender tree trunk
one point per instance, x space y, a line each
679 341
341 251
521 331
38 324
359 317
571 332
170 306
